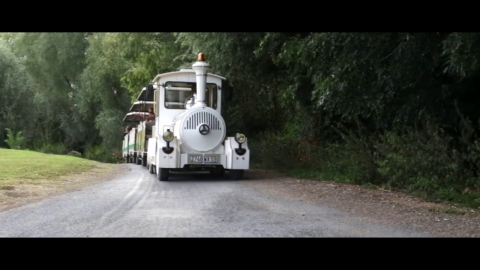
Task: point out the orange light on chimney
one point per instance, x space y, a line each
201 57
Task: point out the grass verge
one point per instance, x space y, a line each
29 175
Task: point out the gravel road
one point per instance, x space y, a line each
135 203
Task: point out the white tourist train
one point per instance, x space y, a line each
188 132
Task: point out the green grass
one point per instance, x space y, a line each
30 167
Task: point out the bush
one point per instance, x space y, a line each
74 153
100 153
273 151
53 148
14 141
424 160
427 162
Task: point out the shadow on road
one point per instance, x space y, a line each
200 176
206 176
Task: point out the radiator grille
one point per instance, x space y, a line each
202 117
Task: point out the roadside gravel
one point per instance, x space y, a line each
380 206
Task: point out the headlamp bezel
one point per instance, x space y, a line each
168 136
239 136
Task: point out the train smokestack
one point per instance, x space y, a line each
201 69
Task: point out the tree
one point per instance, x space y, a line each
16 103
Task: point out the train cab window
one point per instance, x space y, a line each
178 94
211 95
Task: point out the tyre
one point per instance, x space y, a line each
151 169
138 161
144 160
163 174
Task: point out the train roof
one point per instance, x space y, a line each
141 106
183 71
135 116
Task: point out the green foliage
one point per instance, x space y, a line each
14 141
273 152
148 54
102 100
16 104
108 123
55 60
464 53
418 161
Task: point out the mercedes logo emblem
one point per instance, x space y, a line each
204 129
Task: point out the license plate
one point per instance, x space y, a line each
203 159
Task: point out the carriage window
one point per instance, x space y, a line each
177 94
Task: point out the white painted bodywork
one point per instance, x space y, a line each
125 146
187 129
131 141
152 147
234 161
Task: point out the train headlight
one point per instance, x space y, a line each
168 136
240 138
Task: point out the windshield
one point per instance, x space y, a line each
177 94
